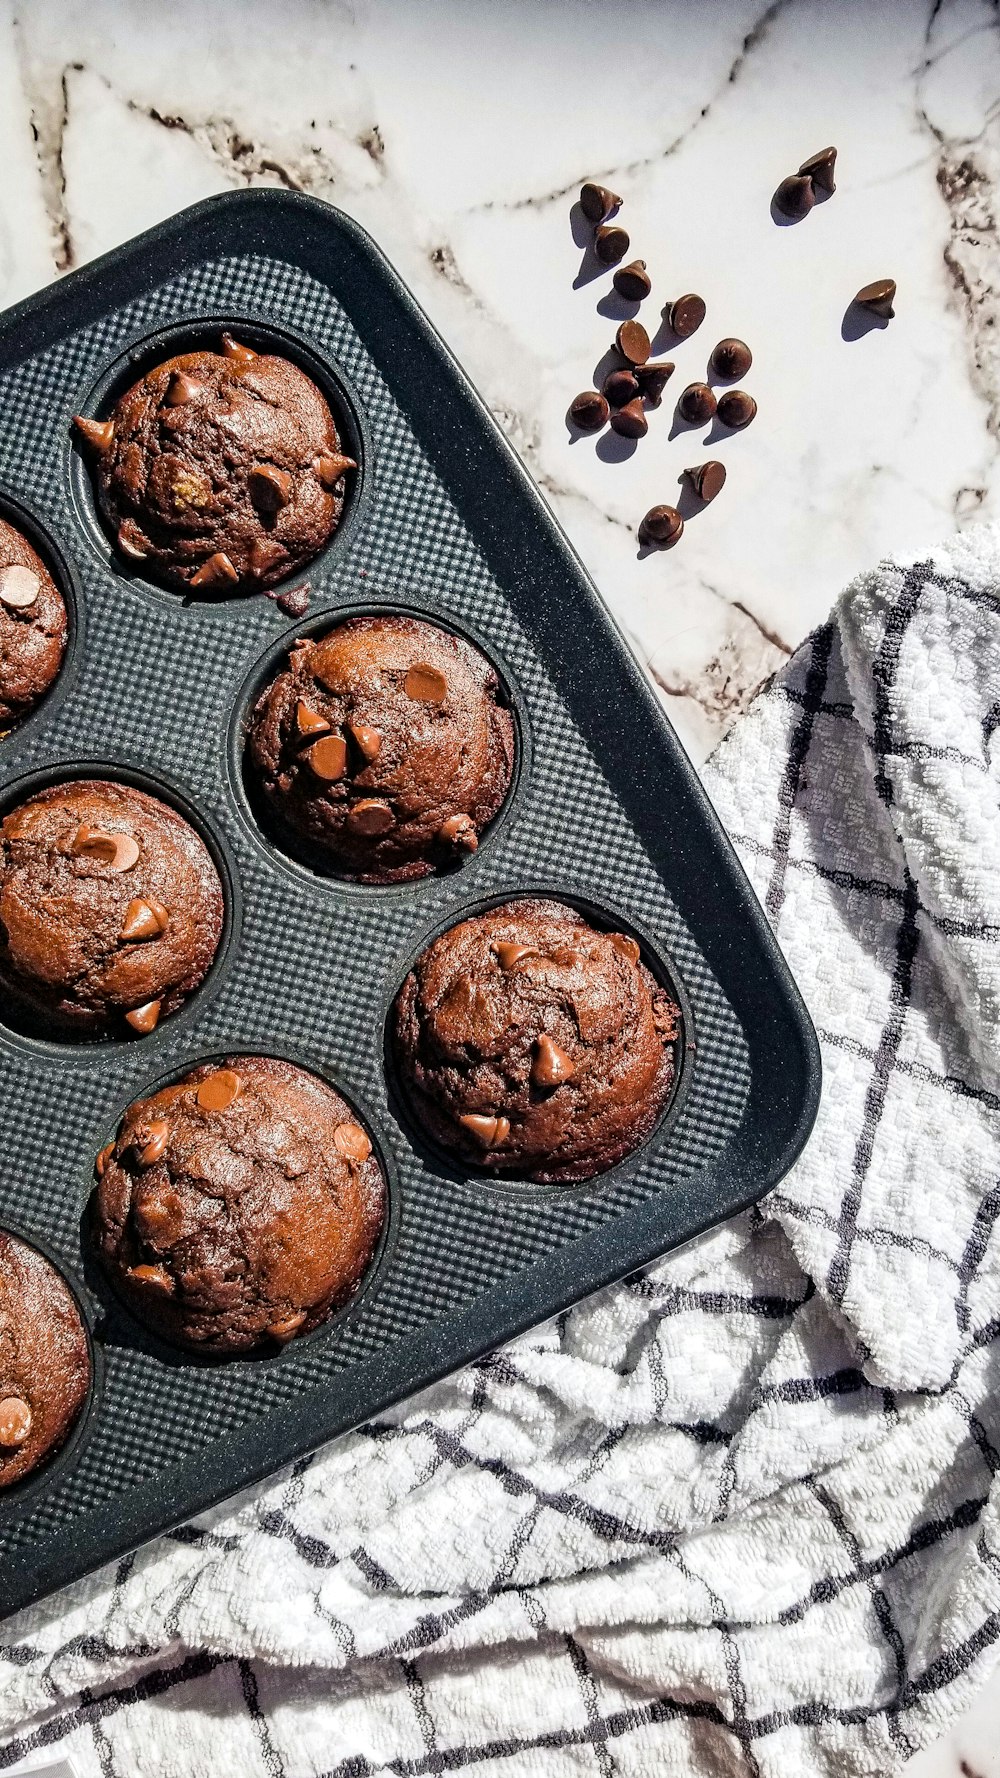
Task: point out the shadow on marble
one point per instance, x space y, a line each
858 321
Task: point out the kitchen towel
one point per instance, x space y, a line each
737 1514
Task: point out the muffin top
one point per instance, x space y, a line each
383 750
44 1360
238 1206
218 471
531 1043
32 627
111 909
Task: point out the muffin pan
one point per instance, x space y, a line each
605 811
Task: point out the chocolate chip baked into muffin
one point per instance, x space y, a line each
219 471
528 1042
383 750
111 909
239 1206
44 1360
32 627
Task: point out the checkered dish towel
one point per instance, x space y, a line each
735 1515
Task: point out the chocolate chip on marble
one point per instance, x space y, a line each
588 411
151 1141
878 298
368 741
632 281
489 1132
327 758
98 434
697 404
219 1090
620 386
352 1142
425 684
630 421
218 571
371 817
156 1277
309 721
652 380
144 918
661 524
241 355
686 314
597 202
119 851
270 487
459 831
144 1019
707 479
101 1163
331 465
731 358
19 587
736 409
819 168
286 1329
181 389
610 244
508 954
795 196
550 1065
15 1422
632 341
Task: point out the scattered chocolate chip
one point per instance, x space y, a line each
632 281
98 434
685 315
459 831
270 488
217 571
621 941
490 1132
152 1141
144 1019
550 1065
795 195
101 1163
295 601
19 587
219 1090
241 355
597 202
588 411
652 380
662 524
707 479
731 358
328 758
352 1142
610 244
15 1422
144 919
632 341
878 297
509 954
157 1277
310 722
331 465
620 386
819 168
371 817
425 684
368 741
697 404
181 389
286 1329
736 409
119 851
630 420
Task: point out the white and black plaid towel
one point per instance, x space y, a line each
739 1514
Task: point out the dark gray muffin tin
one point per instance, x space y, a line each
605 812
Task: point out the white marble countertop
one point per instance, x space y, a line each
458 132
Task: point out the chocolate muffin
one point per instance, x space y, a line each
110 909
44 1360
219 471
383 750
32 627
238 1207
530 1043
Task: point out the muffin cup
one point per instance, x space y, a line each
41 537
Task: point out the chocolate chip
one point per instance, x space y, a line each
686 314
328 758
508 954
181 389
550 1065
241 355
731 358
489 1132
795 195
588 411
217 571
425 684
371 817
144 919
610 244
98 434
367 740
19 587
620 386
310 722
219 1090
266 552
156 1277
144 1019
119 851
707 479
632 341
101 1163
459 831
597 202
652 379
270 488
697 404
877 298
131 541
626 946
662 524
151 1141
331 465
736 409
630 420
352 1142
15 1422
286 1329
295 601
632 281
819 168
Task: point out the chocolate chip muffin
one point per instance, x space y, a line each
32 627
530 1043
44 1360
110 909
383 750
239 1207
219 471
